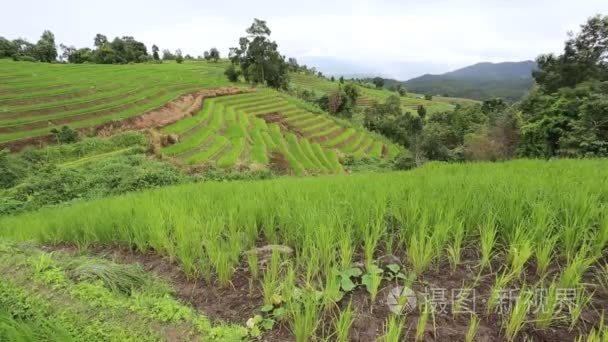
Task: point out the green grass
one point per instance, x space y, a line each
38 96
426 217
238 119
58 296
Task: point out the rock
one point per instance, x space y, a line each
388 259
172 139
266 251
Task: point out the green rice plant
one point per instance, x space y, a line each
473 328
230 158
520 252
332 290
500 284
455 249
517 316
372 279
597 334
547 313
343 323
252 262
270 280
346 249
425 312
544 255
572 274
421 250
305 313
487 241
393 329
581 301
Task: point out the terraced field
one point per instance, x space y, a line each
35 98
265 127
409 102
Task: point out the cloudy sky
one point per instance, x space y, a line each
390 37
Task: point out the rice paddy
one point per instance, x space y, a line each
263 126
410 102
338 244
36 97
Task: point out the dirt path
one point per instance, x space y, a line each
169 113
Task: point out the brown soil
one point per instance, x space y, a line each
284 125
169 113
329 136
233 304
384 151
186 105
241 301
279 163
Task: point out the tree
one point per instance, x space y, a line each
167 55
232 73
178 56
213 54
293 64
155 55
421 111
332 79
45 49
566 114
258 57
341 79
585 57
7 48
428 97
378 82
401 90
100 40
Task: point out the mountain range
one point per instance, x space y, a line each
508 80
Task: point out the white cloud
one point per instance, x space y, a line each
443 33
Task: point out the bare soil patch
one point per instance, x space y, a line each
169 113
243 299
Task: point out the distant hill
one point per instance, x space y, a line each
481 81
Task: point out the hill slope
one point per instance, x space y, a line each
509 80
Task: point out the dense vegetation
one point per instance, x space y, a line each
484 217
563 116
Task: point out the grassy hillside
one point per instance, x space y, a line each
36 97
480 226
410 102
266 127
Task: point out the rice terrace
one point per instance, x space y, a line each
243 195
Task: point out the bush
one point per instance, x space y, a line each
65 135
404 161
232 73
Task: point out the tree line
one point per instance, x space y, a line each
120 50
565 114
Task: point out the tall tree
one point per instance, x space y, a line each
46 51
179 58
7 48
100 40
566 114
155 50
378 82
258 57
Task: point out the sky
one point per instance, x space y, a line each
400 39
